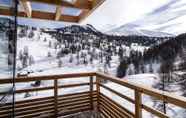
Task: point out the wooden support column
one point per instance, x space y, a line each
91 93
58 13
27 7
138 106
56 97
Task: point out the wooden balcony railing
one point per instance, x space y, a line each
93 99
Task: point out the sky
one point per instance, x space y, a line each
114 13
45 8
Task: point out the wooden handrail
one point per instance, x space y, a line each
47 77
87 99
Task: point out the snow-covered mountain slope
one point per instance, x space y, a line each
169 18
130 29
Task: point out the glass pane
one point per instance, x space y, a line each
7 54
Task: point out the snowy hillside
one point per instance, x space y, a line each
83 48
167 18
43 52
128 30
42 48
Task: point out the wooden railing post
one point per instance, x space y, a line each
98 93
56 97
91 93
138 107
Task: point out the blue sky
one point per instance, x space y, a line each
45 8
46 23
5 2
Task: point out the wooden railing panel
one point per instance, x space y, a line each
48 77
140 89
119 94
117 106
67 104
32 107
155 112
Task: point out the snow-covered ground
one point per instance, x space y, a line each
43 64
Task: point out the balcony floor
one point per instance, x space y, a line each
87 114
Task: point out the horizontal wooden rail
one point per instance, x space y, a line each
33 89
119 94
48 77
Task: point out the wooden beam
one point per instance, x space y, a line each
58 13
83 4
94 5
80 4
27 7
41 15
83 14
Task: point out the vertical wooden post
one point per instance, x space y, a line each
56 97
91 93
98 93
138 109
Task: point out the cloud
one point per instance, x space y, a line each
119 12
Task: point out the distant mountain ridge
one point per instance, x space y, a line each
80 28
126 30
131 29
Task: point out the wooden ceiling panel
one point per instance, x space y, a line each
41 15
87 7
85 13
83 4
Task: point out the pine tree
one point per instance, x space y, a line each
49 54
130 71
142 68
60 63
45 39
31 60
49 44
25 61
151 68
20 55
71 58
25 51
121 70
